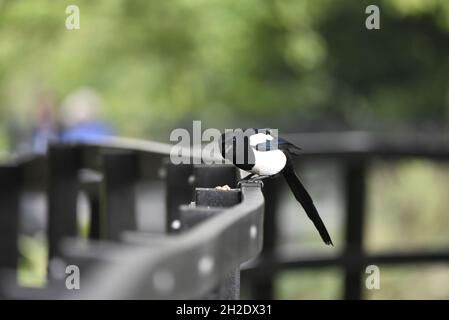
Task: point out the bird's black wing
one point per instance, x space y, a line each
304 198
278 143
235 148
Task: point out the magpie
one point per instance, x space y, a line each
266 155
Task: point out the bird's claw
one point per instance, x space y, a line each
239 184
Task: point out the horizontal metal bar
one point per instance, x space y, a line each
277 262
362 143
405 258
132 144
216 198
191 216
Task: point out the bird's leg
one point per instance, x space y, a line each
248 177
254 178
259 179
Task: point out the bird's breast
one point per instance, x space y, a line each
268 163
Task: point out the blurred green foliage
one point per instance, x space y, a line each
32 271
407 206
163 63
428 281
324 284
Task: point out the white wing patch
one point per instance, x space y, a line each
268 163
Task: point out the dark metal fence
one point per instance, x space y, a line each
207 232
354 151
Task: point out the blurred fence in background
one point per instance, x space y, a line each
355 151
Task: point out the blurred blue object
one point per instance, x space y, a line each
95 131
82 119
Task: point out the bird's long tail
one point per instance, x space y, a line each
306 201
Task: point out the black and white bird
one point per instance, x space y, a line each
266 155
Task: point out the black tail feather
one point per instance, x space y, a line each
306 201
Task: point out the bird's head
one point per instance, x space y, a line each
234 143
260 136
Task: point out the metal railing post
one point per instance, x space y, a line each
63 187
355 192
263 287
120 170
9 216
211 176
178 191
207 204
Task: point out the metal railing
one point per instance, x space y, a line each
208 232
354 151
198 252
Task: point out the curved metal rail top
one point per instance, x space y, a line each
188 264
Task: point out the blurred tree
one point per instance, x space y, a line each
230 63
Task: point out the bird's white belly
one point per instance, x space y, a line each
268 163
